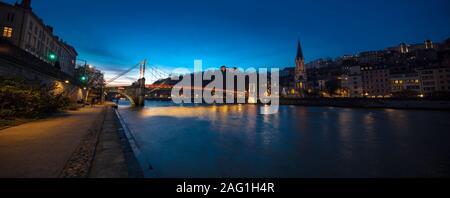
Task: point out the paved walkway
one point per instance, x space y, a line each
42 148
109 160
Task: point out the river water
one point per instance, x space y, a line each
298 142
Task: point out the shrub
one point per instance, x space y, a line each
21 100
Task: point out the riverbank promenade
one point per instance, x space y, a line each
48 148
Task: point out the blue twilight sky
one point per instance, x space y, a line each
116 34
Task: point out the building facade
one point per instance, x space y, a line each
404 71
410 48
319 63
20 26
352 82
434 80
376 81
407 82
287 85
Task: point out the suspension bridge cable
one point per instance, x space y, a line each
122 74
159 71
155 73
156 77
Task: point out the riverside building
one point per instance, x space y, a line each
24 29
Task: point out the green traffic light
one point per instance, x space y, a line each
83 78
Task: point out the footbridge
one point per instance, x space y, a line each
137 91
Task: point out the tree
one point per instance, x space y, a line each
92 79
333 86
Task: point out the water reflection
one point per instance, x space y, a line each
239 141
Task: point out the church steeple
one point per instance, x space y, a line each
300 60
300 70
299 52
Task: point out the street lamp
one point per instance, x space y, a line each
83 79
52 57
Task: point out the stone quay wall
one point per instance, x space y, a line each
17 63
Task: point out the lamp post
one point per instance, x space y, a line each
86 80
85 61
83 79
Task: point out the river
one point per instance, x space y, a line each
231 141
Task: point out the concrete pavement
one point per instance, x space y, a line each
109 160
42 148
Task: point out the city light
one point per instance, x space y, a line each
367 96
52 56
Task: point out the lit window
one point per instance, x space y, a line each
7 32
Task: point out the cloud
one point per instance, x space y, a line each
103 56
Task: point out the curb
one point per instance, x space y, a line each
130 148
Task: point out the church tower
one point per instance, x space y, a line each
300 71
